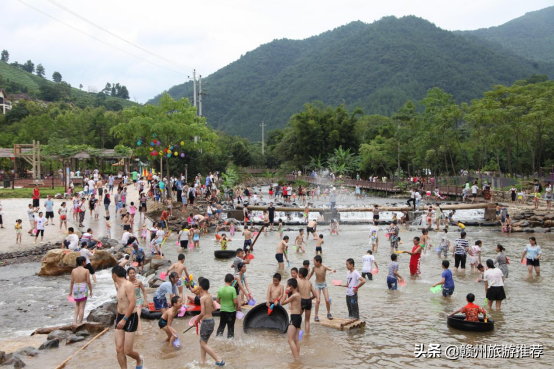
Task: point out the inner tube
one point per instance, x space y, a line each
257 318
151 315
225 254
459 322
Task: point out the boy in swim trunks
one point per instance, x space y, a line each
274 290
307 294
320 271
208 323
282 251
126 322
311 228
318 244
294 273
167 318
293 297
179 267
247 238
299 241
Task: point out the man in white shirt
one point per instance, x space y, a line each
353 282
72 240
125 237
368 260
474 191
40 221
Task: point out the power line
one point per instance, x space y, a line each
121 38
99 40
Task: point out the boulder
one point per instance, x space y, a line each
548 223
28 351
74 338
155 282
83 333
517 229
13 360
62 335
549 216
104 314
50 344
58 262
156 264
528 230
541 230
523 224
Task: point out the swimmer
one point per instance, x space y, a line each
320 272
274 290
307 293
293 297
281 251
318 245
80 288
299 241
179 267
167 318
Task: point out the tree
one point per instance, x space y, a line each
40 71
240 154
171 122
123 93
29 66
80 86
56 77
107 89
5 56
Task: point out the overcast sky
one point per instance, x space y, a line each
206 34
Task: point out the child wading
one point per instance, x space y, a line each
320 271
208 323
293 297
353 282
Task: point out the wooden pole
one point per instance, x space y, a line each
256 239
381 208
62 365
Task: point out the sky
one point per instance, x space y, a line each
178 36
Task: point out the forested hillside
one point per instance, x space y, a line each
530 36
15 80
376 67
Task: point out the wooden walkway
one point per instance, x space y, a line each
388 187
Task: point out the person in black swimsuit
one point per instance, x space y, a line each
292 296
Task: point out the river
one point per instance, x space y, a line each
396 321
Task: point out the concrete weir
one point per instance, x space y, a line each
490 208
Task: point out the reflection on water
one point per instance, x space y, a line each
396 321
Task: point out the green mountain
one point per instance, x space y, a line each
17 81
530 36
376 67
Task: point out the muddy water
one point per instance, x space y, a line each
396 321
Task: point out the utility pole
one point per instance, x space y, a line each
200 96
194 86
263 137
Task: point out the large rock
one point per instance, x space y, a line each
58 334
74 338
58 261
517 229
55 343
13 360
541 230
104 314
28 351
549 216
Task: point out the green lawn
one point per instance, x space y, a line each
21 193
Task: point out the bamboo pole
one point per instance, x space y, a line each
381 208
256 239
62 365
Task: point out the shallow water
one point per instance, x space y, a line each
396 321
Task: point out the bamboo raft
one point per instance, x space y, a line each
341 323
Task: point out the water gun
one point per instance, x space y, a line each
486 319
190 282
270 308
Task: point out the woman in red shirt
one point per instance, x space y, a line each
416 257
36 197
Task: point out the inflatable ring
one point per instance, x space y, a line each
459 322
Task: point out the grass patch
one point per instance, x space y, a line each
22 193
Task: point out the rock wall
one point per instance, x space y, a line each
58 261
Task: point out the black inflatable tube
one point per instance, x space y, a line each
459 322
257 318
225 254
